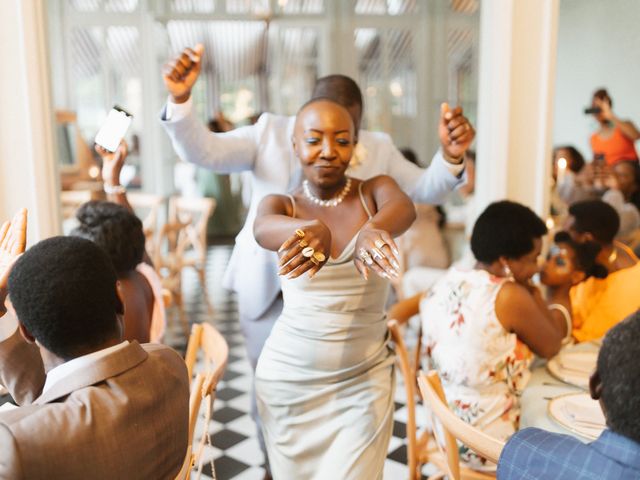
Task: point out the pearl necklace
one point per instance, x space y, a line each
332 202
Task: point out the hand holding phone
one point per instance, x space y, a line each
113 129
112 163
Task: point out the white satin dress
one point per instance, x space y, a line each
325 378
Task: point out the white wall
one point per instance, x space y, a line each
28 172
598 46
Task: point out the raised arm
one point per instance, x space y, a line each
112 164
275 229
21 367
227 152
446 171
395 214
627 127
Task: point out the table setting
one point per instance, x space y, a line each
557 396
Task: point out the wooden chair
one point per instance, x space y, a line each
147 207
215 352
418 445
455 428
182 243
187 465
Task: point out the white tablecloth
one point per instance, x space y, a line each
542 386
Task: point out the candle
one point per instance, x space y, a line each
550 224
562 170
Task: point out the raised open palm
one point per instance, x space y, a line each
13 240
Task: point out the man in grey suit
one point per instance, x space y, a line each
91 405
266 151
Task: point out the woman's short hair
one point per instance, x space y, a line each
114 229
505 229
586 255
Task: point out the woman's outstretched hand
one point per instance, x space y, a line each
376 250
13 241
306 250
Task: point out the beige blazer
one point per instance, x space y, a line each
124 417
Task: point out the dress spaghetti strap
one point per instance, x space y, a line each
293 205
364 204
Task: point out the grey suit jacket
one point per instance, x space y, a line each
124 417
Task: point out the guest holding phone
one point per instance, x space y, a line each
615 138
118 231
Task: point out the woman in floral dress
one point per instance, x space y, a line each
481 325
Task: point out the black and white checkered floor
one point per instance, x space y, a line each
235 450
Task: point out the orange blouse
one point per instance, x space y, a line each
615 148
599 304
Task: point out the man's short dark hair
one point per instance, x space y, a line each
339 88
620 377
597 218
64 292
114 229
505 229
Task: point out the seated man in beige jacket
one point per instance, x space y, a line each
91 405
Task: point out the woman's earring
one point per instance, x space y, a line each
507 271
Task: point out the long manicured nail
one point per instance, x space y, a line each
395 264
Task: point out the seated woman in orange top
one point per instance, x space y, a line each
599 304
615 138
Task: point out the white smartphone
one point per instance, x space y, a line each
114 128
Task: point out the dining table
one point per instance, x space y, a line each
541 389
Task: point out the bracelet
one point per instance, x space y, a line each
567 317
114 189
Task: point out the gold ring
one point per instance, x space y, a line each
299 233
365 257
308 252
379 243
303 243
376 254
315 261
319 256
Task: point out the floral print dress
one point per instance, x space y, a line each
483 367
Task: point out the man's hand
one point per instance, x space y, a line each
455 132
112 163
13 240
181 73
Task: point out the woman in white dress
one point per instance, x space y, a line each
324 380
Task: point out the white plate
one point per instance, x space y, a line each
573 366
578 413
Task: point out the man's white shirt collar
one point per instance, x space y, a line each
77 364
